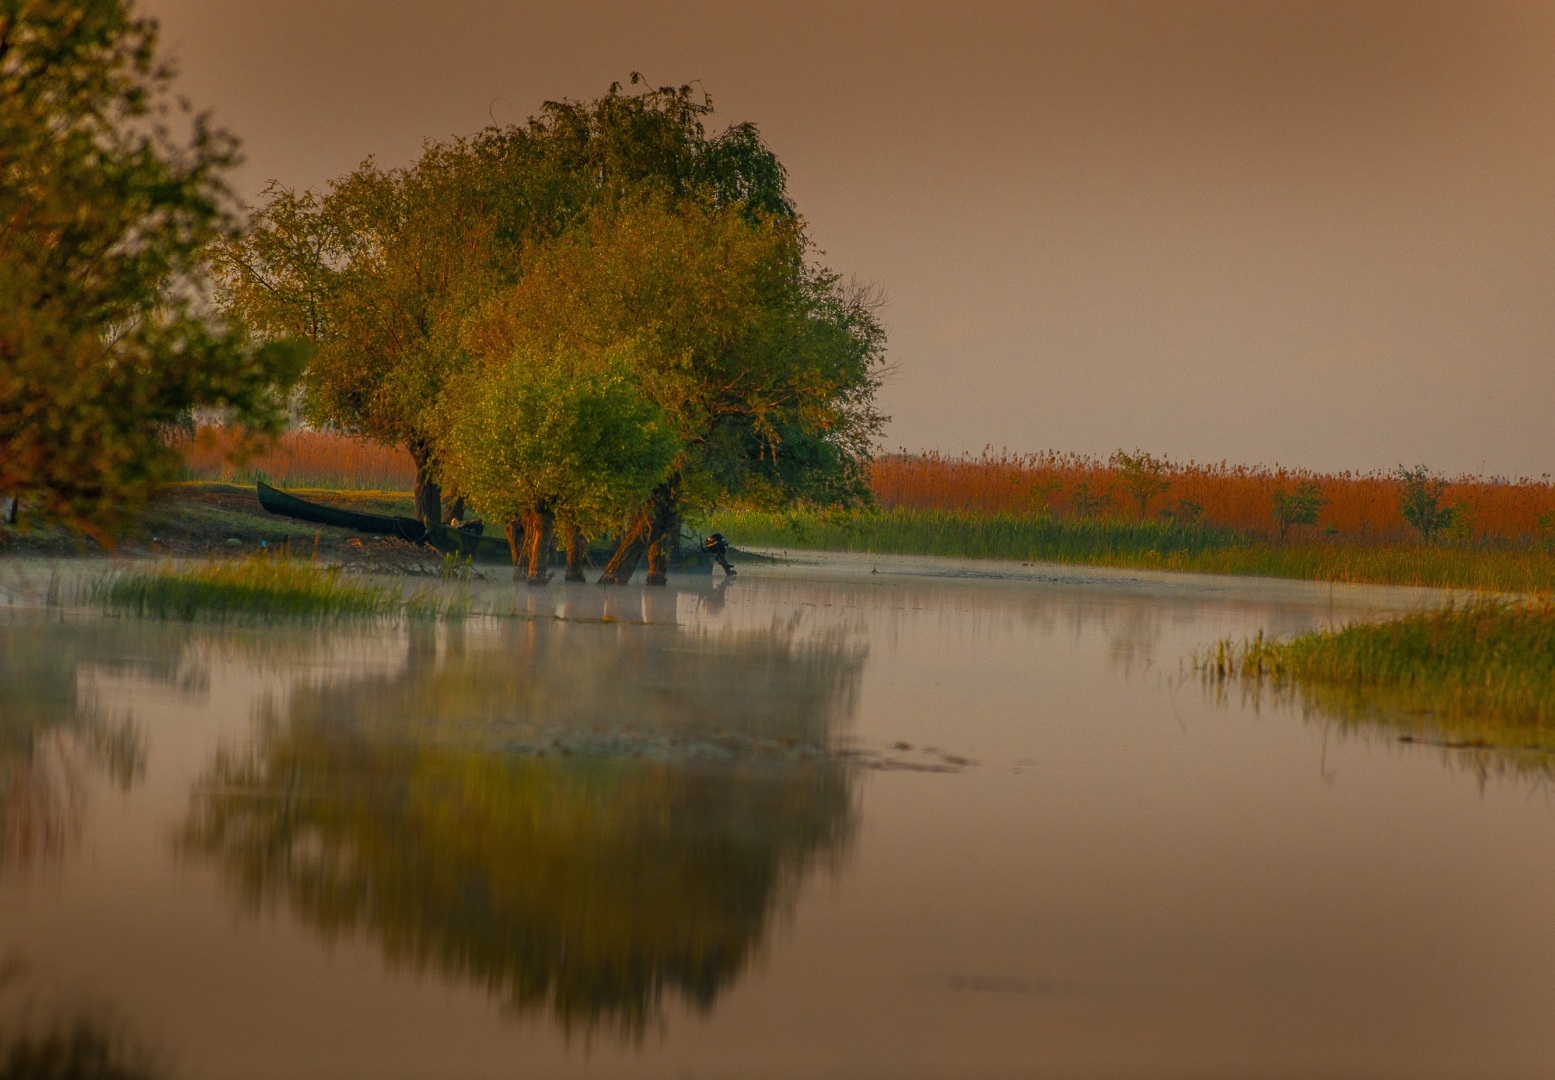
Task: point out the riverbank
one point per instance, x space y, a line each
1140 545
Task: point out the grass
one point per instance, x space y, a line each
1139 544
260 587
1481 673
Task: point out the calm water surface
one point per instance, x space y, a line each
821 822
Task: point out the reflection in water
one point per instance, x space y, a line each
53 730
1483 744
583 816
72 1042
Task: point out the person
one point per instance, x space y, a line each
718 548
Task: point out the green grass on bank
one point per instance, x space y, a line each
1481 673
1139 544
261 587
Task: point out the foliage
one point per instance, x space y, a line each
105 341
765 366
378 271
1298 507
258 587
1420 501
1142 475
574 436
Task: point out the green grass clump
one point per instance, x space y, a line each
260 587
1484 670
1138 544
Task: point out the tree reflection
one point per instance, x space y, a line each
53 733
584 818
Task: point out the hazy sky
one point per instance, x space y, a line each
1321 234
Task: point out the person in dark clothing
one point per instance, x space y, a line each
718 548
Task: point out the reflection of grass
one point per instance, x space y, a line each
1142 544
256 587
1481 673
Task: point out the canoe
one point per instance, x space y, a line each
279 502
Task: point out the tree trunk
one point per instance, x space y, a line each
514 531
538 526
429 497
618 571
577 548
663 529
455 512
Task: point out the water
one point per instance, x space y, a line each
821 822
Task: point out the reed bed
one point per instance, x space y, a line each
1484 668
1140 544
261 587
301 458
1363 506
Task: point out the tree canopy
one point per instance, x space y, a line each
378 271
547 436
106 339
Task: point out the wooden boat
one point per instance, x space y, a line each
463 542
279 502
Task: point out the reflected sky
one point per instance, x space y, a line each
718 832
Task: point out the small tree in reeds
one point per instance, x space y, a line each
1298 507
1143 476
1420 501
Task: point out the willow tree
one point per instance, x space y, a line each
106 342
765 365
536 439
379 270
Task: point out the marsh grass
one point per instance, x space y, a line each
262 588
1188 546
972 535
1480 674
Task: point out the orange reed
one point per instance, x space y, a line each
1360 505
300 458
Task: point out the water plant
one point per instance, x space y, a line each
259 587
1489 663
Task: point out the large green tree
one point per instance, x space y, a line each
766 365
378 270
106 341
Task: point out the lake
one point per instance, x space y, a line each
849 818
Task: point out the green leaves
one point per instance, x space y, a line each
567 432
105 337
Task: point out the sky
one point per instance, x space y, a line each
1307 233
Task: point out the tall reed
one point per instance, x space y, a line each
1362 506
299 458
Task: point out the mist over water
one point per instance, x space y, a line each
813 820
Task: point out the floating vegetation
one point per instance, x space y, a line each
1479 675
260 587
